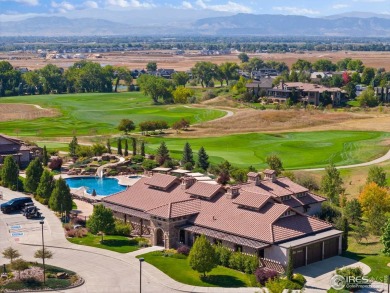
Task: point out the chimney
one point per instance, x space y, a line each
270 175
187 182
254 177
232 191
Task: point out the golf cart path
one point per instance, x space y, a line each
382 159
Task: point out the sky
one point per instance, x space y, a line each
21 9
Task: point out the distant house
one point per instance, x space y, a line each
308 93
257 86
383 94
269 218
264 72
22 152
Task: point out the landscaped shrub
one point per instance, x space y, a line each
137 159
278 285
121 228
263 275
71 233
251 263
223 255
209 95
183 249
55 163
236 262
68 226
353 276
300 279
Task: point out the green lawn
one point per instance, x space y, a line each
91 114
179 270
120 244
297 149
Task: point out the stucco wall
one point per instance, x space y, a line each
276 253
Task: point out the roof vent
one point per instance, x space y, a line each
232 191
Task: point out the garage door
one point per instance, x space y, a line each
331 247
299 255
314 252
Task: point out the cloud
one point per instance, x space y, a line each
130 3
186 5
295 10
90 4
27 2
62 6
340 6
230 6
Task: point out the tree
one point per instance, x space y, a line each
301 65
98 149
73 146
202 257
205 72
324 65
228 71
290 265
275 163
188 156
108 146
102 220
162 154
19 265
45 186
368 75
45 156
223 171
345 229
375 202
156 87
60 198
119 146
143 148
243 57
367 98
239 175
331 184
180 124
180 78
126 148
360 232
151 66
353 211
10 173
385 239
33 175
10 253
126 125
122 73
43 255
378 175
134 145
55 163
181 94
203 159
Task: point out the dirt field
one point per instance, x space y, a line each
11 112
166 59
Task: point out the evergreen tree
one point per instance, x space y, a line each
378 175
188 156
61 199
73 146
203 159
385 239
45 156
10 173
143 148
126 153
290 266
101 220
162 154
119 146
275 163
33 175
108 146
345 229
331 184
202 257
353 211
134 141
45 186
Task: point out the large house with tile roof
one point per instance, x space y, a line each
22 152
267 217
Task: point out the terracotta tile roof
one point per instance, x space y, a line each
297 226
161 181
250 199
126 210
274 188
177 209
269 171
225 236
290 185
308 199
203 189
253 174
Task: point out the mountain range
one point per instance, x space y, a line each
360 25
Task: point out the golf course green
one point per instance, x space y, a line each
297 150
91 114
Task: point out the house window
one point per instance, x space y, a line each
217 241
288 213
238 248
260 253
285 197
302 194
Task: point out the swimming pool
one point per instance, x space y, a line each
102 186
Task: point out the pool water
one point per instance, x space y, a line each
102 186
